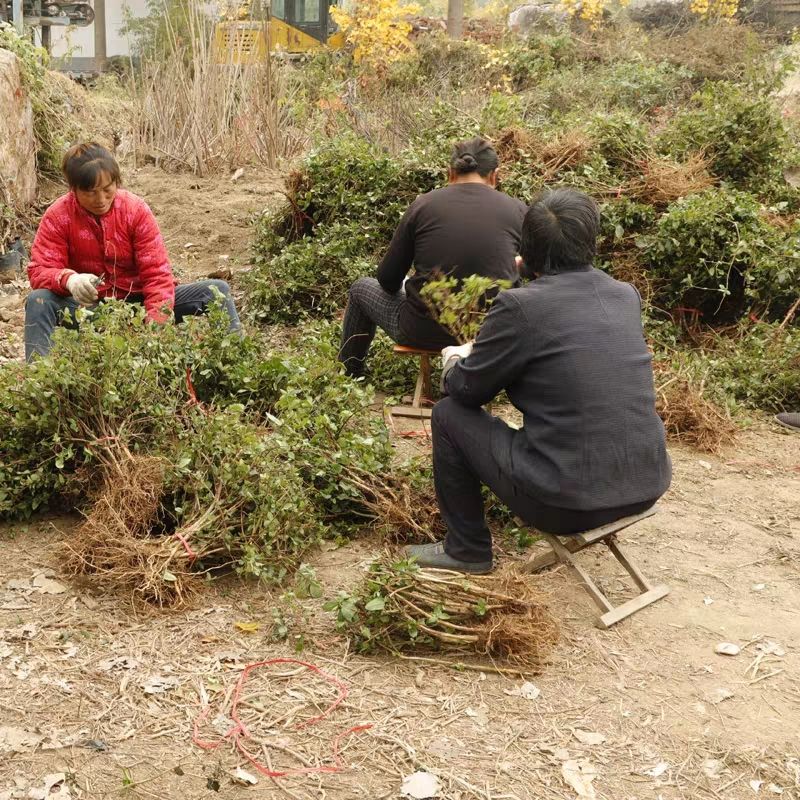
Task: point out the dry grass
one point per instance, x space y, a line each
664 181
195 107
689 416
116 547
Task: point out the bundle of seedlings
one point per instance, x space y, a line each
402 607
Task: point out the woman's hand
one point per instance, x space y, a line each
82 286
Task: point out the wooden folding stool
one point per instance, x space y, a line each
563 548
422 391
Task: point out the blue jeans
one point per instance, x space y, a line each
44 310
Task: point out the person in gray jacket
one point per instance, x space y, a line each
569 350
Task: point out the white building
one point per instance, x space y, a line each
75 49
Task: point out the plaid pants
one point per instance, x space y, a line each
368 307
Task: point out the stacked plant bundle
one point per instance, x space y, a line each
402 607
186 450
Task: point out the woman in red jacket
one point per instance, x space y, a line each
99 241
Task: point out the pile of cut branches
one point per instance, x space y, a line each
187 451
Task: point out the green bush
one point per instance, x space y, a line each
270 444
759 368
329 432
246 505
620 138
738 127
311 274
345 205
715 251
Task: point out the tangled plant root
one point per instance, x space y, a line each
114 547
502 616
690 417
567 150
403 513
664 181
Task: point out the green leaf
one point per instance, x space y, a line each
376 604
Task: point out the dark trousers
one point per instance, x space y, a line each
463 460
45 310
369 306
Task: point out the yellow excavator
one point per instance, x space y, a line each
248 32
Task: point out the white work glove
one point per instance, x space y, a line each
460 350
82 287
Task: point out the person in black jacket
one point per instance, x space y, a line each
569 350
465 228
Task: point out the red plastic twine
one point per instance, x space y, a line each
239 731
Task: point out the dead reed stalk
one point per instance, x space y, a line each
197 107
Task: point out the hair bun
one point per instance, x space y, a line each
467 160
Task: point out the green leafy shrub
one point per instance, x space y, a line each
637 87
738 128
620 138
758 367
460 306
329 432
311 274
622 218
344 206
715 251
244 503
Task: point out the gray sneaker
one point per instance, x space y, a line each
789 420
433 555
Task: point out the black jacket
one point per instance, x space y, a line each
458 230
570 352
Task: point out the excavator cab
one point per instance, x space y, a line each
249 32
300 26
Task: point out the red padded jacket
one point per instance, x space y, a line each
124 247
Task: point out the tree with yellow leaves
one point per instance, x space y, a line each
377 30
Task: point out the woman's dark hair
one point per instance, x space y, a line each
474 155
559 232
83 165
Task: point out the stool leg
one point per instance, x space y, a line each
425 373
419 390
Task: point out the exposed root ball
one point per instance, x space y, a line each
403 512
114 546
692 418
664 181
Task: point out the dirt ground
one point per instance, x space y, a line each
108 699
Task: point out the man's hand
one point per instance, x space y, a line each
460 350
82 287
